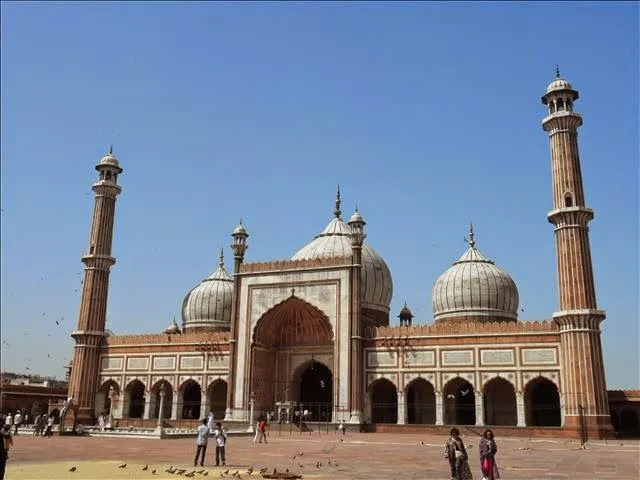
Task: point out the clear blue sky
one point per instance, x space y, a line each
427 114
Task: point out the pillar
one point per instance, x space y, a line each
479 408
439 409
402 410
520 410
147 405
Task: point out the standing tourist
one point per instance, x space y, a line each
17 422
9 420
210 422
261 431
48 431
201 441
488 449
101 422
455 452
220 434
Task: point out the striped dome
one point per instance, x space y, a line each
475 287
208 305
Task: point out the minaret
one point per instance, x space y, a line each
583 382
357 223
93 306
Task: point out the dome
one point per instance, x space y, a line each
558 83
376 282
173 327
405 312
475 287
240 230
208 305
110 160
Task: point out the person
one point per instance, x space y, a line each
17 422
5 444
455 452
201 441
9 420
101 422
220 434
488 450
261 431
210 422
48 431
341 428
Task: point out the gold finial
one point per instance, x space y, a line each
111 149
557 71
471 240
337 212
221 257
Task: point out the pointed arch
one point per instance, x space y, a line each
459 402
134 398
384 401
542 403
421 402
293 322
499 399
191 395
217 398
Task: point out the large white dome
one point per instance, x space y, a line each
334 241
475 287
208 305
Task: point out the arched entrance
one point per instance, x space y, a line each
217 399
103 401
542 403
499 398
629 422
134 396
155 400
191 400
316 392
292 328
459 403
421 402
384 402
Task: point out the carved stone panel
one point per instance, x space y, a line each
137 363
112 363
191 362
382 358
497 357
420 357
217 361
457 357
539 356
410 377
164 363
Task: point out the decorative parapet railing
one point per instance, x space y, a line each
164 338
283 265
470 328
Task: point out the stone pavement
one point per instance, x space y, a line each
360 456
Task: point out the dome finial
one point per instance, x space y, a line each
471 240
337 212
221 263
557 71
111 149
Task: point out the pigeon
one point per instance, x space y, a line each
205 474
464 392
145 468
171 469
181 471
124 465
421 442
250 470
153 472
199 472
73 469
190 474
226 472
263 470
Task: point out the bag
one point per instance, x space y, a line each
460 455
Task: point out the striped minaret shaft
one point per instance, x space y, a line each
583 380
93 305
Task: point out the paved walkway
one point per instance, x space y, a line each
360 456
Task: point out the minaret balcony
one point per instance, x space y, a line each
567 217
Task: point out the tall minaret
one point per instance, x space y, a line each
583 382
93 306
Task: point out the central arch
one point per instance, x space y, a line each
293 326
316 390
460 403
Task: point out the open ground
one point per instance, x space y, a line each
359 456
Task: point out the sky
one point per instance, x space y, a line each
426 114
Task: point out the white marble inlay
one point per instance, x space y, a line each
382 358
419 357
497 357
164 363
191 362
111 363
457 357
538 356
137 363
218 361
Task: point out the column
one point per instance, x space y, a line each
401 409
175 405
520 410
479 408
147 405
162 392
439 409
204 404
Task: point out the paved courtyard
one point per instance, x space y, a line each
359 456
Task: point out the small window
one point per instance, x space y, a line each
91 249
568 200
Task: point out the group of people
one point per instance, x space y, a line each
219 433
455 452
42 425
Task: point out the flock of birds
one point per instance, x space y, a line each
237 474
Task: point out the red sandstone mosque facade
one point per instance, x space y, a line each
313 332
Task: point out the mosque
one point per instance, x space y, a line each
312 332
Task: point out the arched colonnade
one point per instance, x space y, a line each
460 404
